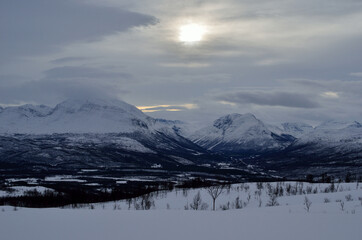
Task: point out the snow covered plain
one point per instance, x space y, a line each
167 219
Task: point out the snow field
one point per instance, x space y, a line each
288 220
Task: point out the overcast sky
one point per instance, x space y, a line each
281 60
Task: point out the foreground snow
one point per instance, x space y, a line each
327 219
267 223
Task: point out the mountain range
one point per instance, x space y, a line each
112 133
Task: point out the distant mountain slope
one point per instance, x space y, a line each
296 129
95 132
74 116
98 132
333 133
239 133
332 147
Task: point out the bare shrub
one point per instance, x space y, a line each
248 197
238 203
257 194
326 200
259 185
272 200
228 188
225 206
197 201
341 205
307 203
300 190
145 202
129 202
204 206
184 192
349 198
288 189
332 187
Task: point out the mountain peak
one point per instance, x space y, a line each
238 133
97 104
234 119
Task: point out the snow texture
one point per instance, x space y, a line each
289 220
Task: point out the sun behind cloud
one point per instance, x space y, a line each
191 33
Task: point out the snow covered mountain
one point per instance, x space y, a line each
239 133
94 132
78 116
333 133
332 147
98 132
296 129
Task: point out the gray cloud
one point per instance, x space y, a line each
284 99
67 60
38 26
72 72
62 83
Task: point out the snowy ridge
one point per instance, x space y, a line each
92 120
235 132
334 132
78 116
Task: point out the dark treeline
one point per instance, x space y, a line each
67 194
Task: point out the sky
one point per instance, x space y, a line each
284 61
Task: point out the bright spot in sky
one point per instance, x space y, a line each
191 33
330 95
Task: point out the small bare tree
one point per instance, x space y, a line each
272 200
197 201
341 205
238 203
307 203
214 192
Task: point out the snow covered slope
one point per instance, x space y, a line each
332 147
239 133
334 133
90 131
117 132
296 129
76 116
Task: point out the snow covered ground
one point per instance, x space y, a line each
333 215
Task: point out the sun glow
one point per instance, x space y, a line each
191 33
